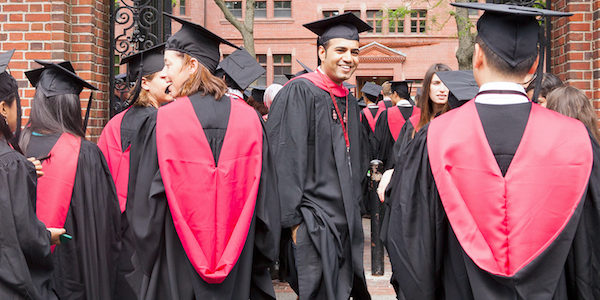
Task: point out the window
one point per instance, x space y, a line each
396 24
473 12
417 21
282 9
235 7
330 13
262 60
282 64
375 18
182 7
260 9
355 12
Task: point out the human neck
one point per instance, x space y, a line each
334 80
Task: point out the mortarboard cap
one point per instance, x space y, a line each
348 85
371 89
346 26
258 93
149 61
461 84
510 31
57 79
402 88
197 42
242 68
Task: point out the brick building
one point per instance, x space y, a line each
75 30
398 48
78 30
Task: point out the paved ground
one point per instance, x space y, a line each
379 286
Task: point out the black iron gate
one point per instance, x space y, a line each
134 25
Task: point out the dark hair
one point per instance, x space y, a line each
424 99
4 128
56 114
203 81
500 65
258 106
573 103
549 83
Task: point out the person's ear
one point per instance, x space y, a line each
193 66
478 57
145 84
322 53
4 109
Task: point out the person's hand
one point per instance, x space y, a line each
385 181
55 235
294 230
38 166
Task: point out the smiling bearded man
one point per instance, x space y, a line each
314 130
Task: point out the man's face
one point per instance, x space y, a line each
340 59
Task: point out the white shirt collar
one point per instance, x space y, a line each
403 102
372 105
387 98
231 91
501 99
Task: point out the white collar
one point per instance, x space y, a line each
501 99
387 98
372 105
404 103
231 91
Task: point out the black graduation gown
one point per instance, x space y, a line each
130 128
320 189
430 262
85 267
384 136
166 272
25 264
370 145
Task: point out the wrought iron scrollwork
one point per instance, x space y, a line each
135 25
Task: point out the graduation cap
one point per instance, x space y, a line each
461 84
512 32
8 89
361 103
59 79
371 90
198 42
402 88
348 85
242 67
346 26
258 93
145 62
302 72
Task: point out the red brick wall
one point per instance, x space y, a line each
75 30
576 46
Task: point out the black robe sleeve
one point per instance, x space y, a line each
417 227
25 266
288 132
86 266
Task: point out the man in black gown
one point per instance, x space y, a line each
499 197
314 130
188 239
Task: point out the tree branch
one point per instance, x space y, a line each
230 17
